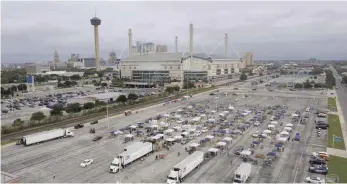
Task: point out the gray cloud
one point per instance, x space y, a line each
271 30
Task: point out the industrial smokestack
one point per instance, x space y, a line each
176 44
191 36
226 45
130 35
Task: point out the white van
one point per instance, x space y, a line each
308 109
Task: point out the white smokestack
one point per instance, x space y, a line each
130 35
191 37
226 45
176 44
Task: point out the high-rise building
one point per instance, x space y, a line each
55 59
113 58
248 59
161 48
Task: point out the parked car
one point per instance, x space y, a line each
314 179
86 162
238 150
322 126
256 134
318 161
97 138
319 169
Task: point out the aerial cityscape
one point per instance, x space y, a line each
155 92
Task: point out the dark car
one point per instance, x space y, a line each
317 161
318 169
94 122
97 138
213 93
78 126
322 126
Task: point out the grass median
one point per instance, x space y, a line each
332 104
338 166
335 129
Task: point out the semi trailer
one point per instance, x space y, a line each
131 153
183 168
45 136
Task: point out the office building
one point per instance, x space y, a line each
161 48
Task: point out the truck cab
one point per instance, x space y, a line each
172 178
68 133
115 165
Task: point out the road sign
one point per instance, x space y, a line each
337 139
30 79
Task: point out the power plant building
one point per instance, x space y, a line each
248 59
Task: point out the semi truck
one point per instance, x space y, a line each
183 168
45 136
242 173
131 153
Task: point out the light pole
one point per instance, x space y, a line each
108 122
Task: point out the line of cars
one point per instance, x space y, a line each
318 161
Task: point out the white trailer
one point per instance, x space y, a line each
183 168
242 173
132 153
45 136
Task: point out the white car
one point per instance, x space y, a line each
314 179
197 133
256 134
87 162
204 130
257 123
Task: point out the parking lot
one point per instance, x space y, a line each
62 158
23 107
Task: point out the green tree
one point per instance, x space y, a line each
108 78
104 84
169 89
261 74
307 84
122 99
298 85
132 97
344 79
73 108
243 77
37 116
88 105
14 88
57 110
75 77
99 103
18 123
315 77
22 87
317 71
176 88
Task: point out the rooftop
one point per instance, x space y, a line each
173 57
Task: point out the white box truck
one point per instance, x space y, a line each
45 136
242 173
132 153
183 168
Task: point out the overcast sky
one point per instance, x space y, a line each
271 30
